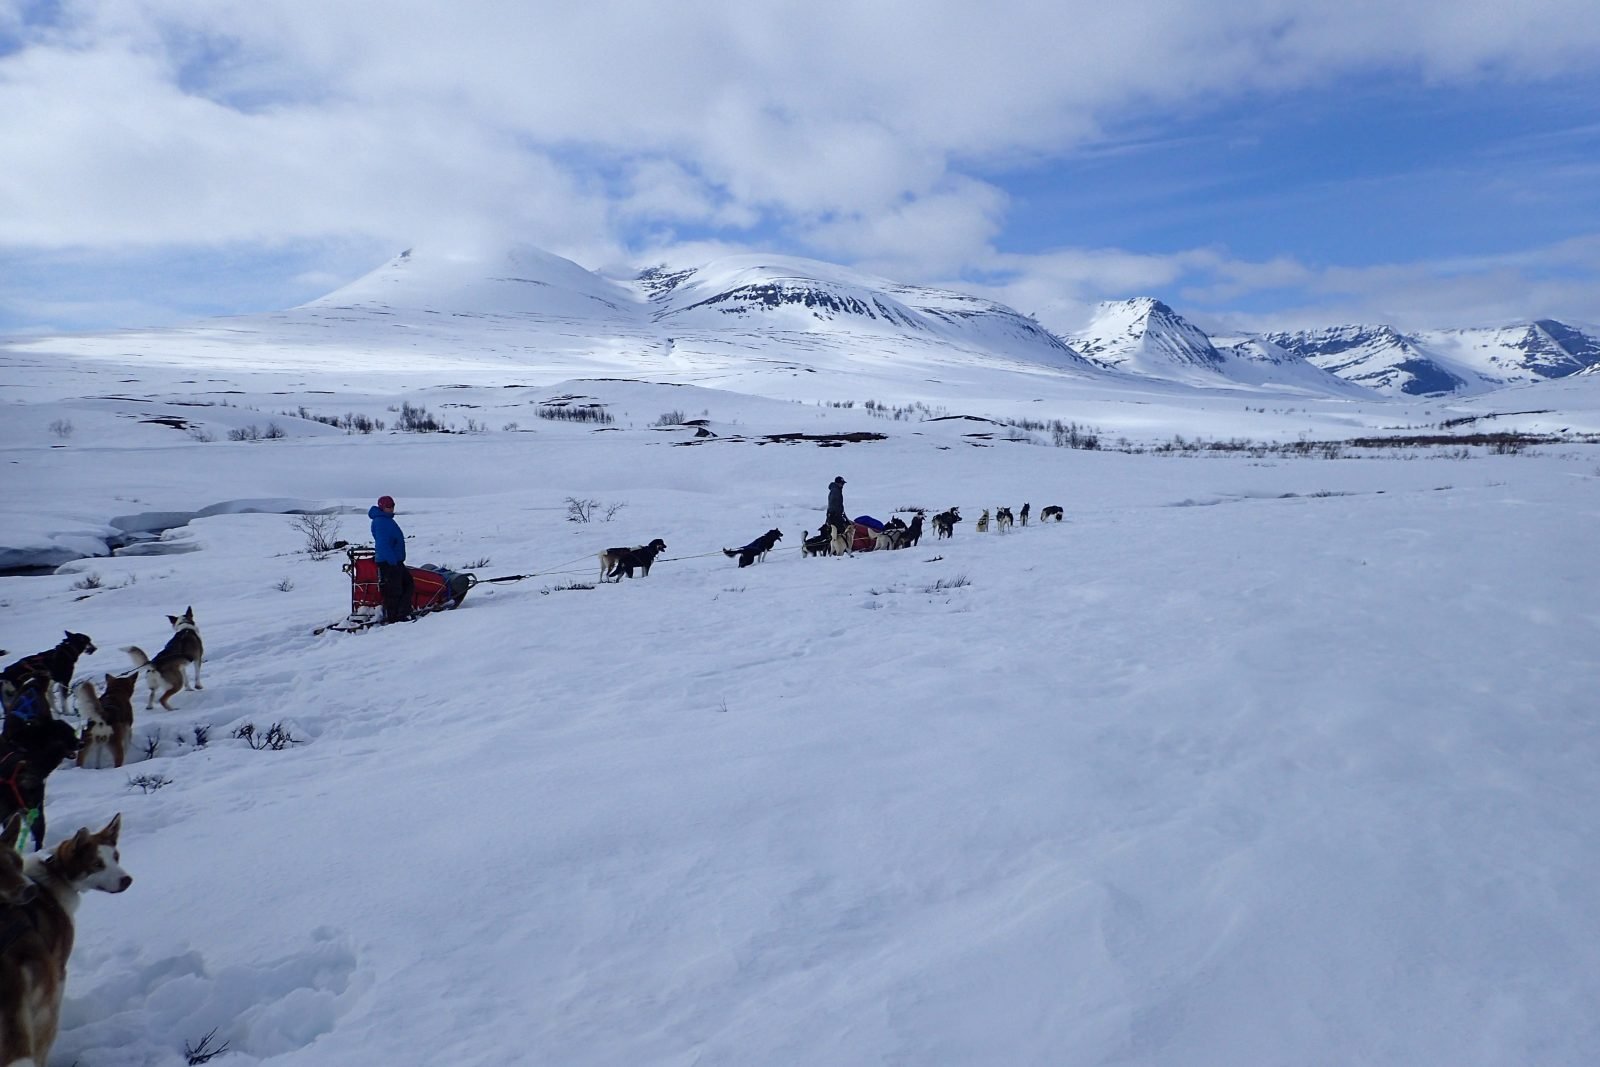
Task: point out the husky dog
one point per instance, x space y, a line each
56 665
1023 514
842 539
913 532
817 545
756 549
1051 512
183 648
1002 519
619 562
944 523
29 750
104 742
983 522
33 967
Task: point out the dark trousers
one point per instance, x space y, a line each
394 582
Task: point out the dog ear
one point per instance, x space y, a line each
113 828
188 614
173 619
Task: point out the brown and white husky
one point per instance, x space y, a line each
39 928
108 722
169 666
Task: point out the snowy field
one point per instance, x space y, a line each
1252 760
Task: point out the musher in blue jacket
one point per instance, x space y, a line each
389 552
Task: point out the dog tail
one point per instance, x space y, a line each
730 552
87 699
138 656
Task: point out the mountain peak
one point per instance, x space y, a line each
1144 335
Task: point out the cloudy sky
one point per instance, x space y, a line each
1256 163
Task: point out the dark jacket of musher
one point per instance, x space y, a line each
388 542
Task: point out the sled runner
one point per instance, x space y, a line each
433 589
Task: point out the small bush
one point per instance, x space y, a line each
563 586
583 413
320 531
201 434
414 418
671 418
276 738
89 581
148 783
62 428
202 735
284 585
244 433
203 1052
944 584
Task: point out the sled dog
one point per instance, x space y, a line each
1023 514
39 932
944 523
56 665
1051 512
756 549
183 648
29 750
618 563
1003 520
983 522
108 722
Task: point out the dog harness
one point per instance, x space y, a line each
11 765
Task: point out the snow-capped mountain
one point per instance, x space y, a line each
767 293
1257 361
1145 336
1438 362
793 328
1378 357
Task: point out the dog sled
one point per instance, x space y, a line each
433 589
864 531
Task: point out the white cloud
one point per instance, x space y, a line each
856 130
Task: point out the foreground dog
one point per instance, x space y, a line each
817 545
39 934
56 665
1023 514
29 750
1051 512
944 523
913 532
183 648
756 549
1003 520
619 562
109 722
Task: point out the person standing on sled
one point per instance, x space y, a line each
389 553
836 504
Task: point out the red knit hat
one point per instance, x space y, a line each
386 503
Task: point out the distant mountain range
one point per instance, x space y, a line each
754 319
1150 338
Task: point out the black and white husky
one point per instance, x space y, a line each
168 668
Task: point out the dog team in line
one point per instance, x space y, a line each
39 890
838 536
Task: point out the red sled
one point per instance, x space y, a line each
433 589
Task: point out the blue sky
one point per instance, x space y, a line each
1276 164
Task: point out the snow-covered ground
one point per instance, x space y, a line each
1249 761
